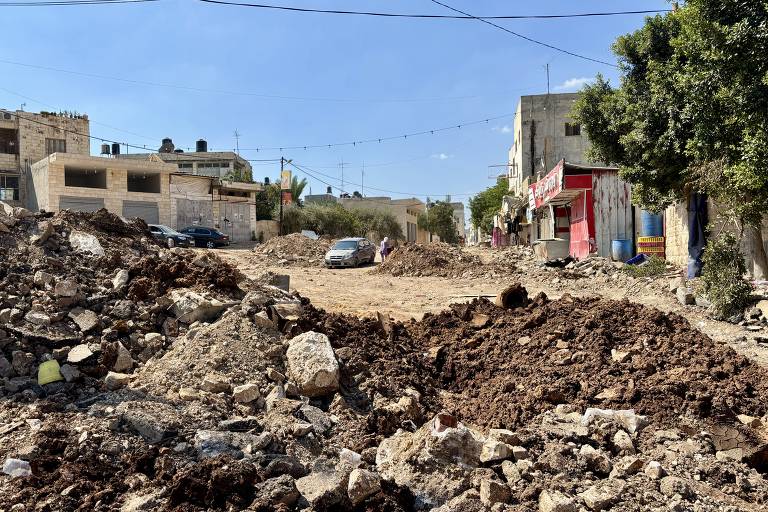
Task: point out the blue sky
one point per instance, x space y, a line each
359 78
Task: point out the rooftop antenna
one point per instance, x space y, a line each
22 107
547 66
237 141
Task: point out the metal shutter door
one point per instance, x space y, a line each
144 210
80 204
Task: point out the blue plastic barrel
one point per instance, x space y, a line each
621 250
651 224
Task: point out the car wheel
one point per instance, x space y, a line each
170 242
210 244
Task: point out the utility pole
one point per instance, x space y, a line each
342 164
362 180
547 77
282 167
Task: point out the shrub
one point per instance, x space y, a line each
652 267
723 276
336 221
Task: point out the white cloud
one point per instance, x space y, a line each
441 156
502 129
572 84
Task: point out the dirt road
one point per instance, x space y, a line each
359 292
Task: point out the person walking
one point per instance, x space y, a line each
384 248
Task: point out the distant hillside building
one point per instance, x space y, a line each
27 137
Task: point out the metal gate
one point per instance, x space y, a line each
145 210
190 212
235 220
80 204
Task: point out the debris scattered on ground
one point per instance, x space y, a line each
437 259
294 249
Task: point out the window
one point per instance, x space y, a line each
225 165
8 142
142 182
88 178
55 146
9 187
572 129
185 166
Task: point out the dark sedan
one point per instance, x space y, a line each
169 236
206 237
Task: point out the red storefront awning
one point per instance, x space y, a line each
560 186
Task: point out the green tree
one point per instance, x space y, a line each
691 111
439 220
297 188
484 206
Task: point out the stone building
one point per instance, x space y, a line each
215 164
26 138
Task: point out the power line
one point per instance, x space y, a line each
381 139
432 16
231 93
59 3
516 34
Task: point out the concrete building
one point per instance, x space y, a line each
458 215
26 138
215 164
130 188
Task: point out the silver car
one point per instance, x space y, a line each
350 252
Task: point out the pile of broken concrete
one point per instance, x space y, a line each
294 249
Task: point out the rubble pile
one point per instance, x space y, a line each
87 298
252 399
294 249
438 259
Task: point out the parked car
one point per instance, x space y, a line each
169 236
206 237
350 252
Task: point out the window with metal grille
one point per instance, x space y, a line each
9 187
185 166
55 146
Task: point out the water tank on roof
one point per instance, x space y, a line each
115 149
266 180
329 190
201 146
167 146
178 150
105 149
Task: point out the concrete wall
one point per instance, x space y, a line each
267 229
49 183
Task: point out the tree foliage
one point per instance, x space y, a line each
297 188
336 221
723 274
691 110
484 206
439 220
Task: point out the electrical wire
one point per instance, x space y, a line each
360 142
235 93
530 39
60 3
432 16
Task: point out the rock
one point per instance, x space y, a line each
120 279
750 421
142 503
627 419
595 460
42 279
37 318
152 338
504 436
246 393
122 309
619 356
214 383
69 372
154 421
320 421
495 451
6 369
312 364
324 485
493 491
66 288
510 472
626 466
189 394
622 442
685 296
554 501
276 491
5 315
763 307
362 484
124 360
85 243
654 470
115 380
519 452
189 306
676 283
16 468
212 443
603 494
672 485
22 362
85 319
274 375
79 354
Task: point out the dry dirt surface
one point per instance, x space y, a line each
437 260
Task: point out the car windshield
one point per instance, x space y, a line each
345 245
167 230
